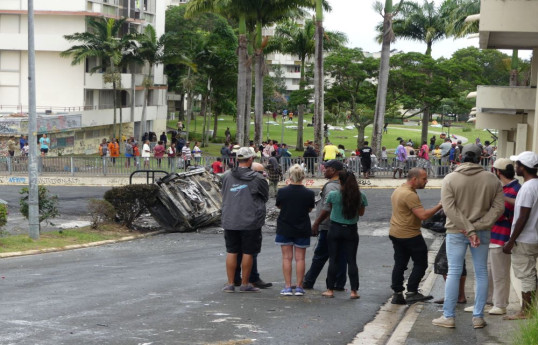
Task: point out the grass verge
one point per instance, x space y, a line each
57 239
528 331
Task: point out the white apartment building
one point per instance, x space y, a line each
74 107
510 110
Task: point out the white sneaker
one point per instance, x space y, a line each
469 309
497 311
443 321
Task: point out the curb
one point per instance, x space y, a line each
393 323
78 246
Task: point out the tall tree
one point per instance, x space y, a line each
101 41
299 40
425 23
384 66
319 83
351 89
151 52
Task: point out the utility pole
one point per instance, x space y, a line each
33 200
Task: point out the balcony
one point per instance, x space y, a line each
508 24
503 107
95 81
517 99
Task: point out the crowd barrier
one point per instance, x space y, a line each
123 166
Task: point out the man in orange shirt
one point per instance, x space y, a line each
114 149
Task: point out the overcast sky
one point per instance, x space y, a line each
358 20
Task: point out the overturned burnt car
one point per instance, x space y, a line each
187 201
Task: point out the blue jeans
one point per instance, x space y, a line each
321 255
456 247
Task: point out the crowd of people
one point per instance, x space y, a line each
487 211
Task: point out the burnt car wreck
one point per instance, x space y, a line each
187 201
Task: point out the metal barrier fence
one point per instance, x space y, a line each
123 166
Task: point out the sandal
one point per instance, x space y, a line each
518 316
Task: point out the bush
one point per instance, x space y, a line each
48 204
3 215
466 129
101 211
130 201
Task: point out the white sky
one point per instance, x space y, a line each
358 20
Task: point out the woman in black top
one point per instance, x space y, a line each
293 227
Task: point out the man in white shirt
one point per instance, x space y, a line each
523 242
146 154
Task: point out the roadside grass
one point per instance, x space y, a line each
527 333
345 137
57 239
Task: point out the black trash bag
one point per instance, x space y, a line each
436 223
440 265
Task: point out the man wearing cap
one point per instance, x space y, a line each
321 253
473 200
244 194
523 242
498 262
366 159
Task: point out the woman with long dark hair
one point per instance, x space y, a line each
344 208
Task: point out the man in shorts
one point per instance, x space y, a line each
244 194
523 242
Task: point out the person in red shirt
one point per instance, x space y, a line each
158 152
217 166
114 149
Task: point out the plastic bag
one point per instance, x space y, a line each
440 265
436 222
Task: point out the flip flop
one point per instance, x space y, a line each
354 297
517 316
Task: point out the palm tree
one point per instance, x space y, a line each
150 51
298 40
101 41
240 10
425 23
318 78
383 79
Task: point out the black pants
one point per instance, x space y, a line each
404 249
343 237
321 255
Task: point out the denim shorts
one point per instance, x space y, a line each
299 242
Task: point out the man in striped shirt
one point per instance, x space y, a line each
499 263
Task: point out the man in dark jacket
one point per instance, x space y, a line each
244 194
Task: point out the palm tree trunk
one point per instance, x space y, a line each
203 112
300 117
360 135
114 106
318 79
258 98
121 125
248 105
143 121
215 124
189 113
384 67
241 80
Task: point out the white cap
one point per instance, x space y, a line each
244 153
527 158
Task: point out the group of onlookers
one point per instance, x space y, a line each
24 147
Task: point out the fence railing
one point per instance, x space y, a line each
124 166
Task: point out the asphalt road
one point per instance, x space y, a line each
166 289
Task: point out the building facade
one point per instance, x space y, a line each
74 106
511 110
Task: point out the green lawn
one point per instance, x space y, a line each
345 137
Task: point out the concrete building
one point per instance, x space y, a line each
510 110
74 106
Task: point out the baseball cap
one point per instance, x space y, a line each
502 163
527 158
472 148
333 163
244 153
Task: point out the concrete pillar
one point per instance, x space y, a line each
534 68
521 138
501 144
